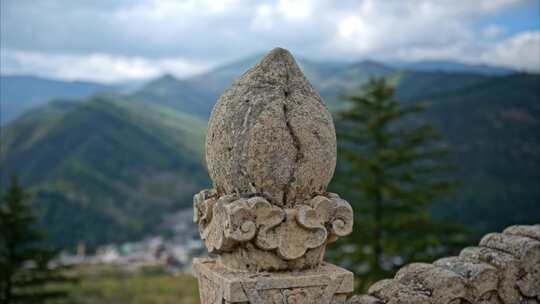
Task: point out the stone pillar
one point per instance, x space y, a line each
271 152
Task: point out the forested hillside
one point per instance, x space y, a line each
105 170
493 127
108 169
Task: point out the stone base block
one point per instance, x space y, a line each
326 284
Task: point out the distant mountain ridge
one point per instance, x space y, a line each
453 67
108 168
19 93
177 94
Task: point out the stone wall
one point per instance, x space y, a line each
503 269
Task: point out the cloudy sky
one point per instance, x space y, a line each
134 39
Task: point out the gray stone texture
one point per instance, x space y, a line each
327 284
481 279
532 231
271 152
251 234
271 134
503 269
364 299
527 252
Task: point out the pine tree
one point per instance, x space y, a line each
24 261
392 167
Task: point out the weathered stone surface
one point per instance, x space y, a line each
252 234
531 231
271 152
441 285
507 268
364 299
481 278
271 134
504 269
527 252
327 284
393 292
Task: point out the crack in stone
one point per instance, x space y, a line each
242 162
296 141
245 121
248 147
298 157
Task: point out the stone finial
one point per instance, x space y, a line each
271 134
271 152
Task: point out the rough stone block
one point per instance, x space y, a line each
326 284
531 231
507 268
481 278
393 292
364 299
441 285
527 252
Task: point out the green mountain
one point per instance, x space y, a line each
22 93
177 94
105 170
412 86
493 127
109 168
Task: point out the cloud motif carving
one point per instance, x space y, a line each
227 222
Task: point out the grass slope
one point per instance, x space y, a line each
110 285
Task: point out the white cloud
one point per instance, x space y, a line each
295 9
386 27
493 31
263 19
269 16
494 5
521 51
97 67
144 37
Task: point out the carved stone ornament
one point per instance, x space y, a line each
327 284
271 134
271 152
228 223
